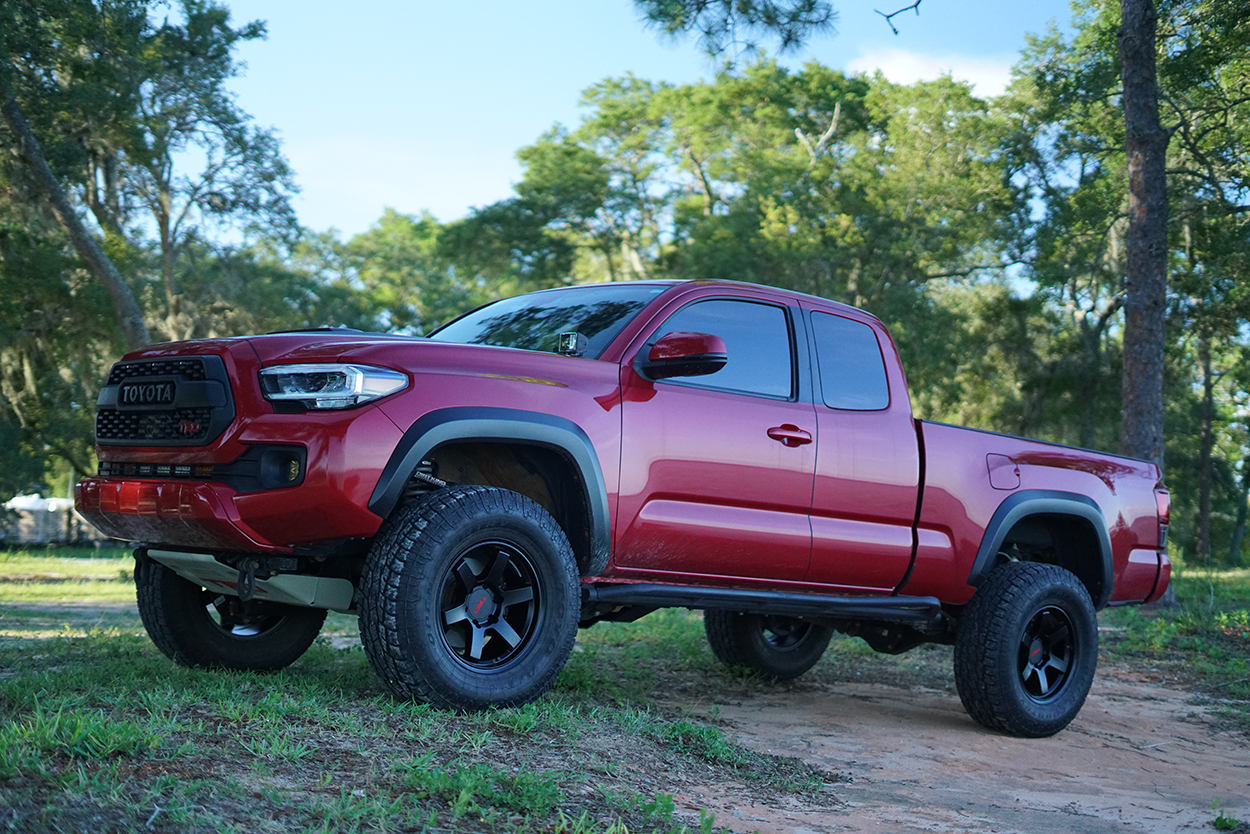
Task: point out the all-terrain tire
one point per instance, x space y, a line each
1026 650
470 598
780 648
196 627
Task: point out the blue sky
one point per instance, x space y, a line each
422 105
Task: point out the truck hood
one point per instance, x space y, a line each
419 355
316 346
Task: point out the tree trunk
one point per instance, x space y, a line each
1091 342
1141 430
129 316
1239 532
102 192
709 196
1206 441
174 323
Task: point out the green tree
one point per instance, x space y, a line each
724 25
182 106
102 99
1065 147
1072 145
403 275
57 61
56 337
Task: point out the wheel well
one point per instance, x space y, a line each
1067 541
543 474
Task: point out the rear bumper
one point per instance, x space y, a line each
1144 577
1165 576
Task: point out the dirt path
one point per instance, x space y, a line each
1139 758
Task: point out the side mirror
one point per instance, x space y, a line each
685 354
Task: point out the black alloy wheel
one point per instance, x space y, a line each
490 605
1046 654
786 634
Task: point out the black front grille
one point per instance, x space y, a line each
188 369
178 424
193 408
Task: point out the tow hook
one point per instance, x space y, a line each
266 566
247 578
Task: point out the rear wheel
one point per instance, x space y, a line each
470 599
196 627
776 647
1026 650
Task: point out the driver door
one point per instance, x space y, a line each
717 470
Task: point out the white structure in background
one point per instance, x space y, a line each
32 519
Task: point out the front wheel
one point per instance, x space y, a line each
777 647
1026 650
196 627
470 599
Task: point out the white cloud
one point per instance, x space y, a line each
989 75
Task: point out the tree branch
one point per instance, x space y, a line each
128 313
709 196
966 271
824 137
890 22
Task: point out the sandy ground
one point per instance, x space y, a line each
1139 758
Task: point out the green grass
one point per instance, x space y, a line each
1203 641
99 731
81 591
66 575
58 558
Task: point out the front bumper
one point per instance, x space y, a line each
169 513
345 453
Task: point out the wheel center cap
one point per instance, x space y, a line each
481 606
1036 652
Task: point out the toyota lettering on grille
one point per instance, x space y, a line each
146 393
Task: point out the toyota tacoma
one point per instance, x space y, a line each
595 453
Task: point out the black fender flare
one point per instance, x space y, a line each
508 424
1031 502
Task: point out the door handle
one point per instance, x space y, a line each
789 435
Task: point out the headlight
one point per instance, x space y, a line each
330 386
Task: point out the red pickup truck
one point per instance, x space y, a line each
596 453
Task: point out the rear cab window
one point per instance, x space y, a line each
851 366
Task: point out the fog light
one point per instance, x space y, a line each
282 467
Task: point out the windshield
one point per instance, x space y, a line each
535 321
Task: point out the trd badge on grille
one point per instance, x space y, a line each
146 393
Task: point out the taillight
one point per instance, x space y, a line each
1163 507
